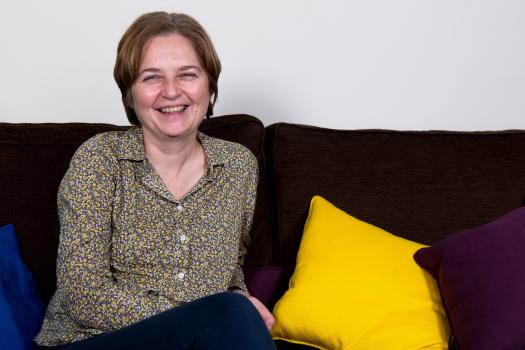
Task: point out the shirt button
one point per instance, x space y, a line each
182 238
179 207
181 275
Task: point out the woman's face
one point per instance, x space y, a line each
171 94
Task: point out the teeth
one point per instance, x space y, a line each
172 109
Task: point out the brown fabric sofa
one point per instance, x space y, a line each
418 185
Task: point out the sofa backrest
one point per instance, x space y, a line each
418 185
35 157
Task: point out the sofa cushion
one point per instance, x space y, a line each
356 286
422 185
264 283
481 278
21 309
35 157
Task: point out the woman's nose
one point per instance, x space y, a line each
171 89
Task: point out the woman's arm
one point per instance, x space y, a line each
252 176
237 283
85 197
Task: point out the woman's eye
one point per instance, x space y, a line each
188 75
151 77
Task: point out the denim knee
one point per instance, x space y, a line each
231 301
233 306
238 323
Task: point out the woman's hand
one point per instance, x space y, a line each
266 315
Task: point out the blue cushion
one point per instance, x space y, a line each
21 309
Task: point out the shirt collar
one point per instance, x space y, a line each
214 150
131 147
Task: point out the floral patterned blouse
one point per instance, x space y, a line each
129 250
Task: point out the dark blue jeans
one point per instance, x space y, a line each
221 321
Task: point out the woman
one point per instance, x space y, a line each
155 221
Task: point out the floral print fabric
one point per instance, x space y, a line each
129 250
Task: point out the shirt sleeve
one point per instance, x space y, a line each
237 283
93 298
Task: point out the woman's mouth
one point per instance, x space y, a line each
172 109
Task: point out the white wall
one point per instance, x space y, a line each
407 64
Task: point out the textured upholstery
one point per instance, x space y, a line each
418 185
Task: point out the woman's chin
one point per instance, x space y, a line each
174 124
178 130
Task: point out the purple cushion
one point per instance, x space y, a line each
264 282
481 276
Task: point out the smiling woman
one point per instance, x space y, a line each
133 43
170 95
155 220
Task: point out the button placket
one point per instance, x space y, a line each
180 239
181 245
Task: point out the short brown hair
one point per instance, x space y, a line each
149 25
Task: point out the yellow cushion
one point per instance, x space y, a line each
356 286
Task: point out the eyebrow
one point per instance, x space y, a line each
151 70
190 67
156 70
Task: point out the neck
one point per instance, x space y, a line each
171 153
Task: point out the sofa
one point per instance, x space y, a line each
419 185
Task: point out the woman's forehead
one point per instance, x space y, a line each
169 48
